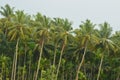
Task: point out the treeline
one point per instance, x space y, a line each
42 48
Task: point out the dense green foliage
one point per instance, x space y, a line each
41 48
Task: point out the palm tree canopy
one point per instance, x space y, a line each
7 11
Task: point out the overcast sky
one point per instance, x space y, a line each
76 11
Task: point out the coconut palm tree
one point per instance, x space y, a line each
59 25
106 44
64 38
87 37
60 32
18 32
41 36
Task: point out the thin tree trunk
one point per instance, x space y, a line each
55 54
41 75
118 77
55 50
19 71
79 67
100 67
24 66
60 60
2 75
38 67
91 74
14 61
16 54
29 72
13 67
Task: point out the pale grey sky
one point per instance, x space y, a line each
76 11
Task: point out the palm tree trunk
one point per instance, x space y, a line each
1 76
60 60
118 77
16 54
55 50
55 54
80 64
15 62
24 66
38 67
13 67
100 67
29 71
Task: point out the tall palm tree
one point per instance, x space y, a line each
18 32
42 36
106 43
64 38
86 37
60 32
58 26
